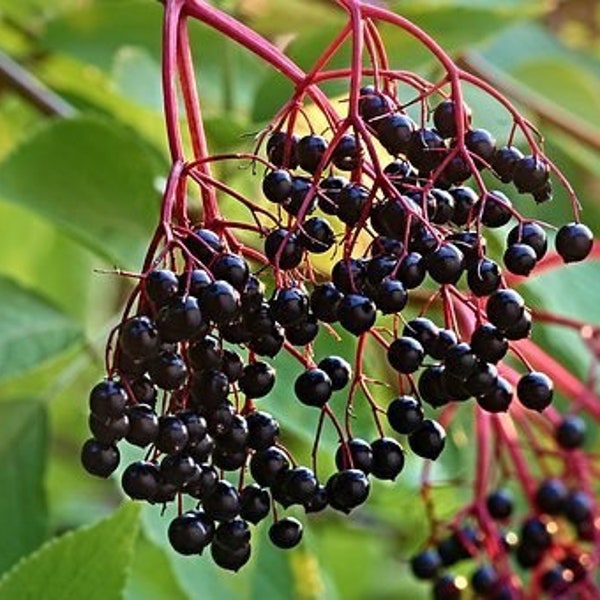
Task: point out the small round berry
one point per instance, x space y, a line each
551 496
347 489
255 503
570 433
263 430
520 259
138 337
99 459
356 313
504 308
161 286
530 173
108 400
338 369
405 414
426 564
481 143
504 161
394 132
173 435
536 533
446 339
299 484
325 301
445 117
449 587
426 149
484 277
286 533
348 275
488 343
220 301
281 149
424 331
460 360
412 270
485 580
283 249
277 185
535 391
168 370
532 234
351 202
313 387
347 153
482 380
108 431
578 507
428 440
232 560
143 425
316 235
289 305
266 465
445 264
223 502
432 386
231 268
388 458
140 480
390 296
440 206
179 320
405 355
498 399
500 504
359 451
574 242
372 104
204 244
257 380
497 210
310 150
187 534
465 199
233 535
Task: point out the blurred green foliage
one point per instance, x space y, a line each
82 195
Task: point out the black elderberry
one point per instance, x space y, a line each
484 277
426 150
228 459
266 465
283 249
178 469
232 535
263 430
412 270
220 418
143 425
498 398
194 282
316 235
372 104
325 300
405 414
347 153
551 495
209 388
520 259
464 201
220 301
347 489
440 206
299 485
281 149
504 308
426 564
446 339
351 202
578 507
453 388
405 355
161 286
497 209
232 560
388 458
313 387
390 296
286 533
348 275
500 504
329 190
258 379
231 268
310 151
470 243
482 379
298 200
485 580
356 313
394 132
143 390
379 267
205 482
488 343
338 370
354 454
535 391
187 534
424 241
532 234
445 117
204 244
253 295
168 370
255 503
529 556
423 330
530 173
108 399
428 439
99 459
289 306
459 546
205 353
277 185
202 450
555 580
504 161
449 587
172 435
304 332
574 242
140 480
460 360
318 502
570 433
432 388
108 431
481 143
223 502
536 533
179 320
398 170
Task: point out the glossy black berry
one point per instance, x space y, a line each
99 459
394 132
286 533
232 560
168 370
488 343
460 360
531 234
289 305
143 425
220 301
570 433
277 185
574 242
351 202
426 149
231 268
482 379
204 244
405 414
535 390
223 502
426 564
316 235
283 249
318 502
465 199
329 189
356 313
258 379
445 116
578 507
263 430
388 458
349 275
338 369
172 435
520 259
299 485
140 480
500 504
432 386
179 320
310 150
347 153
313 387
108 399
440 206
354 454
445 340
428 440
255 503
266 465
497 210
108 431
504 161
484 277
530 173
187 534
485 580
372 104
536 533
347 489
325 300
405 355
390 296
281 149
412 270
161 286
482 144
550 496
449 587
504 308
498 398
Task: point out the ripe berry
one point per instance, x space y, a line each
356 313
360 452
204 244
325 301
423 330
299 484
223 502
445 264
204 483
108 431
390 296
316 235
532 234
521 329
440 206
412 270
449 587
266 465
351 202
426 564
318 502
535 391
347 153
428 440
426 149
504 161
464 201
168 370
445 340
286 533
372 104
500 504
445 117
313 387
172 435
209 388
504 308
388 458
460 360
231 268
574 242
220 301
258 379
304 332
277 185
161 286
498 399
281 149
405 355
530 174
578 507
232 560
405 414
283 249
551 496
289 306
108 399
329 189
485 581
140 480
187 534
338 369
232 535
99 459
143 425
497 210
520 259
482 379
310 151
536 533
347 489
488 343
481 143
484 277
432 388
255 503
263 430
570 433
394 132
179 320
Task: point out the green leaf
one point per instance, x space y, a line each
151 576
23 451
90 563
92 178
31 329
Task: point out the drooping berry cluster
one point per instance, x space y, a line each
386 213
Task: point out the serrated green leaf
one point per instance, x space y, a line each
92 178
23 451
31 329
90 563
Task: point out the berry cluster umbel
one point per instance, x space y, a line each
402 206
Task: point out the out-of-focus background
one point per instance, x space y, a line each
80 176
